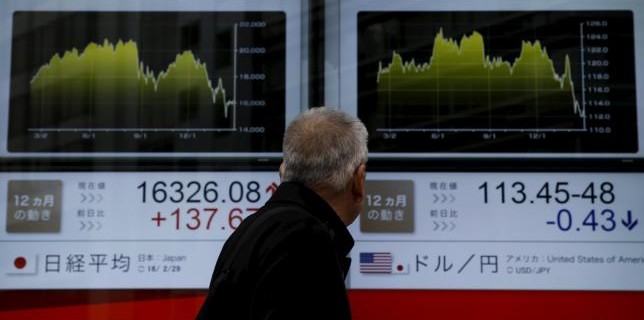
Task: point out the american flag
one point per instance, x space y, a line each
375 262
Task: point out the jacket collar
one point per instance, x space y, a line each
299 194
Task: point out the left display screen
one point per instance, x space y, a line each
155 79
147 81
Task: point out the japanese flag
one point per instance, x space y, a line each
20 265
400 268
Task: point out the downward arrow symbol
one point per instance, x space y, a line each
629 222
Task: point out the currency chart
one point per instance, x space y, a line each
147 82
497 81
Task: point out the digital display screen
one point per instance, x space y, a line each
120 119
134 81
496 79
453 230
500 230
127 230
556 84
111 79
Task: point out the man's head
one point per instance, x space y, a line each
326 149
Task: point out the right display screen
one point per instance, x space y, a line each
548 80
537 85
497 81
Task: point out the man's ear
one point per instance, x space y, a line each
281 170
359 182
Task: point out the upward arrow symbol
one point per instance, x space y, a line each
271 188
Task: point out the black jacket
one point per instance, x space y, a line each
286 261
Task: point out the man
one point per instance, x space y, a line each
289 259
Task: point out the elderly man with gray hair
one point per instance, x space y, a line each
289 260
